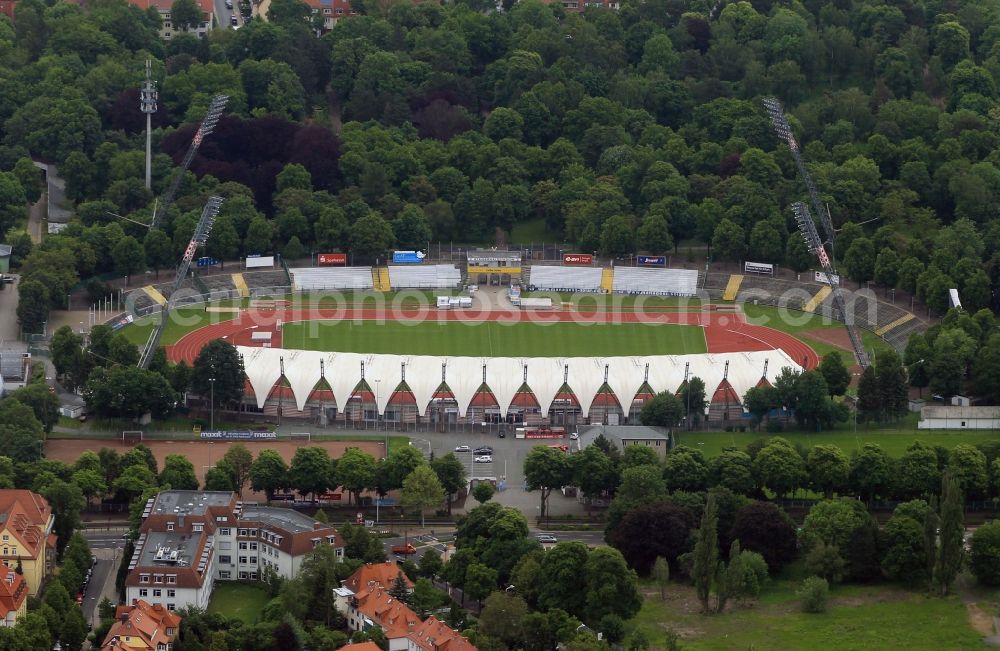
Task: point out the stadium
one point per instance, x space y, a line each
424 345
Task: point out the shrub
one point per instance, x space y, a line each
814 594
825 561
753 575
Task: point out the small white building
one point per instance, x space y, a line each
948 417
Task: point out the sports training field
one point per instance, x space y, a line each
495 339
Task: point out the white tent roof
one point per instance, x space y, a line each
504 375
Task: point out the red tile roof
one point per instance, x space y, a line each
435 635
164 5
13 591
360 646
375 575
394 616
147 622
25 515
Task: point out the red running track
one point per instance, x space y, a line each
725 332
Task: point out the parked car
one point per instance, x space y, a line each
574 436
404 549
485 449
502 434
463 448
546 539
484 459
234 21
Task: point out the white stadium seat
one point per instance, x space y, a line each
316 278
566 279
431 276
655 282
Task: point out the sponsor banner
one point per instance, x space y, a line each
332 258
651 260
207 262
239 436
821 278
758 268
543 435
478 269
578 258
122 322
954 299
255 261
408 257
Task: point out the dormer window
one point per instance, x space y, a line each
170 526
198 527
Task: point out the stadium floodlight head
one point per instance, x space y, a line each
148 94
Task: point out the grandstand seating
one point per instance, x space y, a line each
265 279
566 279
819 297
432 276
732 287
155 295
657 282
882 330
241 285
318 278
608 279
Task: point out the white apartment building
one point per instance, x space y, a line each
191 539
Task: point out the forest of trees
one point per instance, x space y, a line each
621 130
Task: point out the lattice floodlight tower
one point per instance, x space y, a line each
201 232
807 226
808 229
207 126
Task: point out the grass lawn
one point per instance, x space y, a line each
859 617
238 601
182 321
496 339
894 439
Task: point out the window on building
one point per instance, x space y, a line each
171 578
253 533
253 547
171 593
143 578
157 593
243 532
243 560
224 531
198 526
243 576
170 526
225 575
171 607
243 546
253 560
157 578
228 560
143 592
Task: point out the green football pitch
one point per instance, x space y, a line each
495 339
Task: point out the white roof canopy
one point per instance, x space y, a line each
504 375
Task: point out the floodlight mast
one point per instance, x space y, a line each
207 126
201 232
784 131
808 229
147 104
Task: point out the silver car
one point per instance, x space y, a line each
484 459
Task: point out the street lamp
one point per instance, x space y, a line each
211 406
377 383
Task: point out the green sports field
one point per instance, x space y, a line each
495 339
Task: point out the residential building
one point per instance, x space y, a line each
190 539
168 29
13 596
330 10
26 537
623 436
360 646
366 603
7 8
142 627
435 635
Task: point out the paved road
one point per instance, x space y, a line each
108 548
223 15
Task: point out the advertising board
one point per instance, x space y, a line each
408 257
227 435
651 260
580 259
332 258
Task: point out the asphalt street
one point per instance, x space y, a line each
108 548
